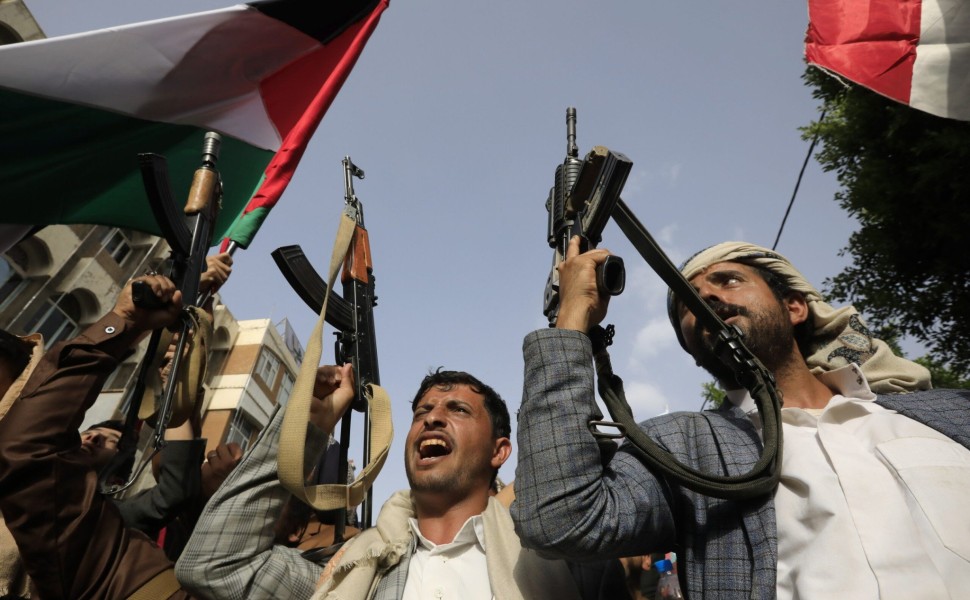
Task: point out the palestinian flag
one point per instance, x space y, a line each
76 110
914 51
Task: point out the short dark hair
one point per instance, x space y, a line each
497 410
15 351
114 424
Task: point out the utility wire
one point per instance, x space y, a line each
798 183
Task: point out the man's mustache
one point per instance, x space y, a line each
724 311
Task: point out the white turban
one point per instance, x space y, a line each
840 336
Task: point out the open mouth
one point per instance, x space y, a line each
431 449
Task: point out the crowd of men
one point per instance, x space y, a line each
875 468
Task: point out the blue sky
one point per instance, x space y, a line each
456 111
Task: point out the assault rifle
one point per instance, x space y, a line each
188 232
352 316
586 195
580 203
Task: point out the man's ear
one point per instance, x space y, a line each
797 307
501 452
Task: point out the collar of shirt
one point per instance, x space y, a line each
471 532
457 570
848 381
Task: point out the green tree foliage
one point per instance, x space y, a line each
943 377
905 176
940 375
712 394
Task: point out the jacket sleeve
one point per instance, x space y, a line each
568 503
50 498
179 481
231 553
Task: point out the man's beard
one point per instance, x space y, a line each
432 482
768 334
438 481
444 481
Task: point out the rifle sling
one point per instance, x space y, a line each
762 478
295 421
188 381
764 475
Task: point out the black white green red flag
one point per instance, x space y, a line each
914 51
76 110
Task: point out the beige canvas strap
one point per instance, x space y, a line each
293 434
190 377
160 587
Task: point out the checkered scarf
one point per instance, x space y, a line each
840 335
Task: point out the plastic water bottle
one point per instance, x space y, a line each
668 587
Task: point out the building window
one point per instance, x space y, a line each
117 245
240 430
267 367
286 388
9 35
217 358
57 319
11 283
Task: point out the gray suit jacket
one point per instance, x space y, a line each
570 504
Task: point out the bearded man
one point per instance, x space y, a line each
873 479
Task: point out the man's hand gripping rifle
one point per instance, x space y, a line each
586 195
579 204
188 232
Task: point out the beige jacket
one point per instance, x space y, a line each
514 572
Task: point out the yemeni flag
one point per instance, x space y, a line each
76 110
914 51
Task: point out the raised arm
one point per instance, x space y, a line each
232 553
179 482
50 498
567 501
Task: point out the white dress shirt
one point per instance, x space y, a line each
454 571
871 503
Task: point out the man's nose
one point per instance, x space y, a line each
434 418
710 293
707 292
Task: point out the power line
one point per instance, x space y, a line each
798 183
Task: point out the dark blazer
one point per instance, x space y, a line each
179 482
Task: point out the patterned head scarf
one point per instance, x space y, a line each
840 336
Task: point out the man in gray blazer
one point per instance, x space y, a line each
873 479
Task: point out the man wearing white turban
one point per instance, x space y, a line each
834 337
874 475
